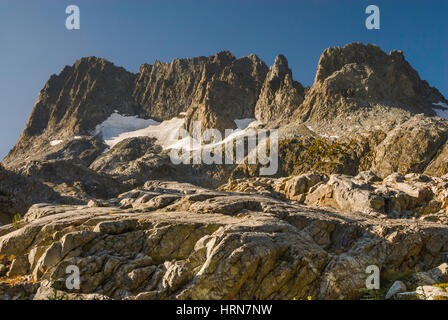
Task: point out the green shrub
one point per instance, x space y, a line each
16 221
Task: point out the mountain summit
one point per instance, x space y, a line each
363 76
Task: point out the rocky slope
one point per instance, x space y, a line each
361 180
71 104
171 240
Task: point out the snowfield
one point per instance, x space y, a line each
117 127
55 142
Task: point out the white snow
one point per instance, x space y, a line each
442 113
56 142
190 144
165 132
118 127
309 128
321 134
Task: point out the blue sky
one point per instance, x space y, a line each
34 42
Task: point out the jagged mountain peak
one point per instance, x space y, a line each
359 76
219 89
334 58
281 65
72 103
280 94
215 90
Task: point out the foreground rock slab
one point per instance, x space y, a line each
205 244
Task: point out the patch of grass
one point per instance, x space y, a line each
441 298
55 296
288 257
47 242
16 221
441 285
307 298
397 276
373 294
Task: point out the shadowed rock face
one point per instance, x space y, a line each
226 92
18 193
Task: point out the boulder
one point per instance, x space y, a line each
397 287
19 267
431 293
296 187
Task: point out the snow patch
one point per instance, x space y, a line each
189 143
442 113
309 128
329 137
166 133
117 127
56 142
321 134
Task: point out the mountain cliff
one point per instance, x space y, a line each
363 76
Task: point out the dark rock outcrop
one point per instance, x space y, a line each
65 175
18 193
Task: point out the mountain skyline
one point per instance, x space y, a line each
139 32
